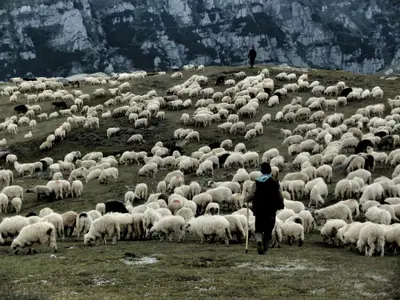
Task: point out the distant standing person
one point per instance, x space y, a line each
252 56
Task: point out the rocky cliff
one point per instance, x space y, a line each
61 37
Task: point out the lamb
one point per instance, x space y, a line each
210 225
41 232
105 226
170 225
371 236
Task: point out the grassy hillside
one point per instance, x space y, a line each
188 270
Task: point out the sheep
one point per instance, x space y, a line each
221 195
105 226
210 225
149 169
378 215
69 222
41 232
83 223
186 213
16 203
237 226
11 227
76 188
296 206
205 168
202 200
285 214
141 191
371 236
170 225
293 229
150 217
336 211
309 222
45 211
13 191
57 220
330 229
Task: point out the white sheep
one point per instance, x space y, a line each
11 227
336 211
210 225
170 225
105 226
41 232
293 229
372 236
330 229
378 215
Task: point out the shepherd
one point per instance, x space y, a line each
252 56
267 199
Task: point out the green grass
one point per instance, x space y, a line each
188 270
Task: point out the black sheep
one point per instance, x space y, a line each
115 206
381 134
220 80
369 162
60 105
21 109
222 158
279 95
74 83
362 146
386 142
346 92
214 145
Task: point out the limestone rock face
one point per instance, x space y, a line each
64 37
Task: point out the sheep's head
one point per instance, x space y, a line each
15 247
89 240
188 227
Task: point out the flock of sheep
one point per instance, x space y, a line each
366 213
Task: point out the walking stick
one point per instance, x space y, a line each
248 227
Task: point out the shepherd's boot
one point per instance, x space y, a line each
259 239
266 245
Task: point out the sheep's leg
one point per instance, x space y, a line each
289 241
